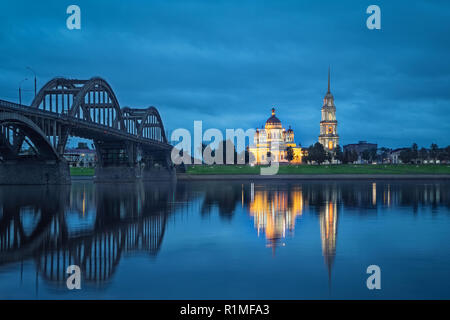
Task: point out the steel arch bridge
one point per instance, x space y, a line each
127 140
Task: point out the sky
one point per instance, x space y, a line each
227 63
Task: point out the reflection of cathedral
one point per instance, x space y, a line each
274 213
273 142
328 137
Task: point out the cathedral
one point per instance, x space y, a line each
273 134
328 126
266 140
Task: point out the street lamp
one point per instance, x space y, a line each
34 80
20 90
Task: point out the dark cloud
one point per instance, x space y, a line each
228 62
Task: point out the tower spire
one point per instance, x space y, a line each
328 79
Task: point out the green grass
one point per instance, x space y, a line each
81 171
324 169
305 169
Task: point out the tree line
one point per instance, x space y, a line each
416 155
316 153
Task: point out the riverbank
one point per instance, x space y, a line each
301 172
349 169
205 177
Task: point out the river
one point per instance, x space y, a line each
226 240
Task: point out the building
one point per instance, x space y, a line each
328 137
361 147
273 142
394 155
81 156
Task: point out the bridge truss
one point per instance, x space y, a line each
87 109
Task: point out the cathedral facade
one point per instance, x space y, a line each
328 136
273 142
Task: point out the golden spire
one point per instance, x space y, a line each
328 79
273 111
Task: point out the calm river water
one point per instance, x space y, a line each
226 240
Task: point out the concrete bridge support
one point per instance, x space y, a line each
157 166
159 174
117 174
32 172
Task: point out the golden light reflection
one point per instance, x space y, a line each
242 196
374 194
387 196
84 201
274 213
328 233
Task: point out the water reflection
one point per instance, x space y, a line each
95 226
274 212
328 233
90 226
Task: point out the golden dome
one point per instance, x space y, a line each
273 121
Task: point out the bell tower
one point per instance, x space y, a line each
328 136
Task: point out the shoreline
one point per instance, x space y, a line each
197 177
342 176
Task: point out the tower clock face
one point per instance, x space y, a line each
330 130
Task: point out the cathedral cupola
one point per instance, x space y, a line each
273 121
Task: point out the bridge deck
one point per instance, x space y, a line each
82 128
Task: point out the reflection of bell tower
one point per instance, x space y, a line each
328 125
328 233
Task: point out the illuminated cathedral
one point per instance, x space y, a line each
273 142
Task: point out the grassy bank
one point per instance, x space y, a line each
81 171
324 169
305 169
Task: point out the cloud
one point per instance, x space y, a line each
228 62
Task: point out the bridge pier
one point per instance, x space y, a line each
159 174
32 172
133 174
117 174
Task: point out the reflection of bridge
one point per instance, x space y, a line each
35 225
33 138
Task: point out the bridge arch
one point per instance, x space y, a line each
145 123
148 121
28 128
50 85
97 84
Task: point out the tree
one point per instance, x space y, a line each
317 153
444 154
350 156
290 153
373 155
353 156
328 156
406 156
434 152
366 155
384 153
414 151
338 155
423 154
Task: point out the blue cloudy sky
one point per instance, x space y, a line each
228 62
